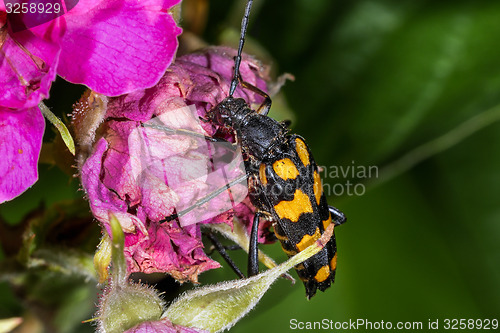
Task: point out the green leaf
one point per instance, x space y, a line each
102 258
125 304
59 125
119 271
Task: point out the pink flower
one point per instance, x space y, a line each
140 173
111 46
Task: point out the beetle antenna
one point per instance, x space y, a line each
237 60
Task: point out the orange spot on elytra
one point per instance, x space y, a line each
293 209
318 188
327 222
308 240
301 148
285 169
333 262
262 174
322 274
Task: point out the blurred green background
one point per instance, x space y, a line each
409 87
413 88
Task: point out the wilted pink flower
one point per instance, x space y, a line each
131 169
111 46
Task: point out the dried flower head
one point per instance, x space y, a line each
149 159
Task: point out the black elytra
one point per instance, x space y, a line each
284 182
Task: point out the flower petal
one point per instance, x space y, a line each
216 63
169 248
102 199
21 134
119 46
163 326
27 68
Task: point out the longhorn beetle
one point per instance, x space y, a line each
283 178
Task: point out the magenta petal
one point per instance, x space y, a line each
104 201
120 46
220 60
26 72
163 326
168 248
21 134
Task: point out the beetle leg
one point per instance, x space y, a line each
337 216
253 250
